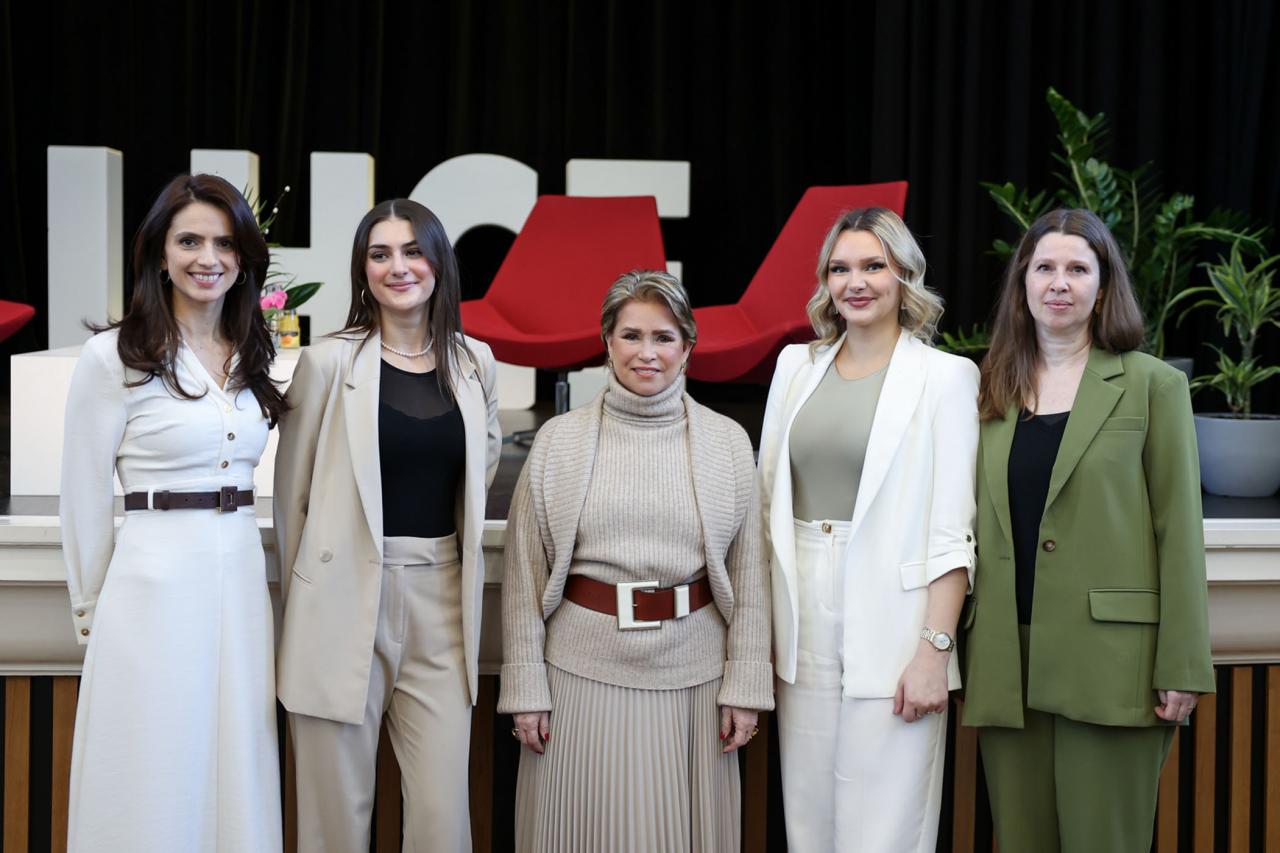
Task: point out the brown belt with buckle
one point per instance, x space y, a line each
226 499
639 604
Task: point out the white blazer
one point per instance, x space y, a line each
912 522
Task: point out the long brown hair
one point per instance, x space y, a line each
444 317
1009 370
148 333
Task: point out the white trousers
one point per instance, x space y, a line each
855 778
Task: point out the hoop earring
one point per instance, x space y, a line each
164 276
364 300
240 279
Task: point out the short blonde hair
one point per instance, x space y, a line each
921 308
648 286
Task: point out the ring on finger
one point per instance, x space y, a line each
515 733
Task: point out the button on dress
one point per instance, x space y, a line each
175 739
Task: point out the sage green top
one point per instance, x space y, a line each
829 443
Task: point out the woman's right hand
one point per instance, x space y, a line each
533 729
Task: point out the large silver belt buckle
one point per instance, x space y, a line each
627 620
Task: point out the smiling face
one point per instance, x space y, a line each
200 256
646 347
862 284
400 277
1062 283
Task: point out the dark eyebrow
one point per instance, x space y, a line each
655 331
412 244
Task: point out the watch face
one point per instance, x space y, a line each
942 641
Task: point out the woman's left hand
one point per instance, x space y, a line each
922 689
737 726
1176 705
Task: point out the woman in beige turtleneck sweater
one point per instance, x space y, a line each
642 488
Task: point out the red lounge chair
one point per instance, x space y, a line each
13 316
740 341
543 307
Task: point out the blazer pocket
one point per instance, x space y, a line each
1125 605
913 575
1134 424
302 577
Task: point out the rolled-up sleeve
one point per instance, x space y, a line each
953 507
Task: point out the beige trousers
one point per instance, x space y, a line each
418 681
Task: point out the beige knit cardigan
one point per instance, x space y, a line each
543 525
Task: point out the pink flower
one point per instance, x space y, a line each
274 300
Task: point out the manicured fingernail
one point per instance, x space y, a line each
548 737
723 735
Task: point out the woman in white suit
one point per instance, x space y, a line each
866 473
381 474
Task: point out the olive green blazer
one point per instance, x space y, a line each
1121 602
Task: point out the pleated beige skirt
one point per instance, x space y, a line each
629 770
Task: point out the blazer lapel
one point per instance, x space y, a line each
469 396
903 385
997 439
1095 400
361 414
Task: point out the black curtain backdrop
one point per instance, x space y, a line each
763 103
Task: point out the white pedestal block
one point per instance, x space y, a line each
86 241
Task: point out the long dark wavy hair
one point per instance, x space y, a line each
149 334
1009 369
444 318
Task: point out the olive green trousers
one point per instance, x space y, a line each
1061 786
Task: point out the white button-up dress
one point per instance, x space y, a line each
175 740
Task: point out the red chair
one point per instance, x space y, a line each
13 316
543 308
739 342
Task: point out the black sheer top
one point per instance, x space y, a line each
1031 458
422 451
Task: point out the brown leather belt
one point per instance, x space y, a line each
640 604
226 499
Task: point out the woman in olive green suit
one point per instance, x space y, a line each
1087 635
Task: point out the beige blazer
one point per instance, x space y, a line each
328 520
913 519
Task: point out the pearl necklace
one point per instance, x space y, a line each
404 354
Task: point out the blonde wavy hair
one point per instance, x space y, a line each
921 308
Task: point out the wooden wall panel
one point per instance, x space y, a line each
17 762
1206 757
1238 783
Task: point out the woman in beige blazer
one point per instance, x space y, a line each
381 473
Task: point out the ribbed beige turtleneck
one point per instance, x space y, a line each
640 520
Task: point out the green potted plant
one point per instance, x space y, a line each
1157 233
282 294
1239 449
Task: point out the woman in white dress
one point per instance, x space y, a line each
175 741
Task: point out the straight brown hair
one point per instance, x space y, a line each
1009 369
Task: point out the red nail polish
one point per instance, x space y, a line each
547 739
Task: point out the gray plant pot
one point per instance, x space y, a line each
1239 458
1183 362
